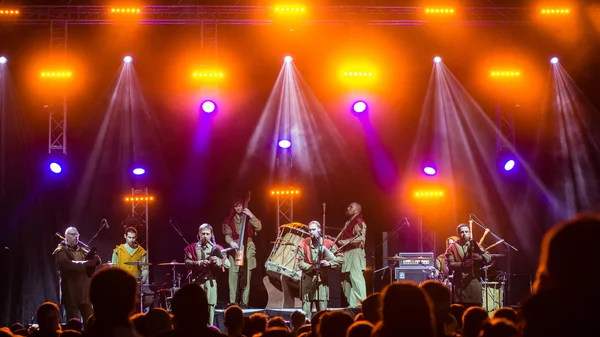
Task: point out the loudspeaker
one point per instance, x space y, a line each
415 275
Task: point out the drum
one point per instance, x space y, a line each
283 260
493 296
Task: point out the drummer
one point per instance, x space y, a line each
131 251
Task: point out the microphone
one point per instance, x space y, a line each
105 223
406 220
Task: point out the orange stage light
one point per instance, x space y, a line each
207 74
134 199
56 74
285 191
358 73
505 73
429 194
8 12
289 9
555 11
125 10
439 10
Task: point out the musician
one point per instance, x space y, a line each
314 260
203 258
74 269
231 229
465 259
352 241
441 266
131 251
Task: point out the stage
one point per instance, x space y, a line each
284 313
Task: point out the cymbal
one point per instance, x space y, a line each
174 263
109 264
138 263
395 258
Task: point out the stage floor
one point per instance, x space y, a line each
285 313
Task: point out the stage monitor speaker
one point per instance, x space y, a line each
415 275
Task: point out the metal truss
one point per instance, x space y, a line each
57 126
380 14
505 124
57 108
139 210
285 209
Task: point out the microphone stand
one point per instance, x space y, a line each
508 246
398 228
172 223
178 231
98 232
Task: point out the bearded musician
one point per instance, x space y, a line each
75 266
315 258
203 258
465 259
354 259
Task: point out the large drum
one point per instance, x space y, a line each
493 296
283 260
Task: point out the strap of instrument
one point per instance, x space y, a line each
342 231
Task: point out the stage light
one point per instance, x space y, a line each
285 191
55 167
358 73
359 107
207 74
127 59
437 59
208 106
509 165
144 198
555 11
8 12
284 143
55 74
429 194
125 10
138 171
429 170
3 60
554 60
288 59
286 10
505 73
439 10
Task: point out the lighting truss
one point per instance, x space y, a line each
232 14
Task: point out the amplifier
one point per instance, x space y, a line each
414 275
415 261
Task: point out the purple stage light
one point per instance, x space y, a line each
359 107
138 171
55 167
429 170
284 143
208 106
509 165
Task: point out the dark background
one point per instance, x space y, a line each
195 183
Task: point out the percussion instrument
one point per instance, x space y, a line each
493 296
283 260
137 263
174 263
